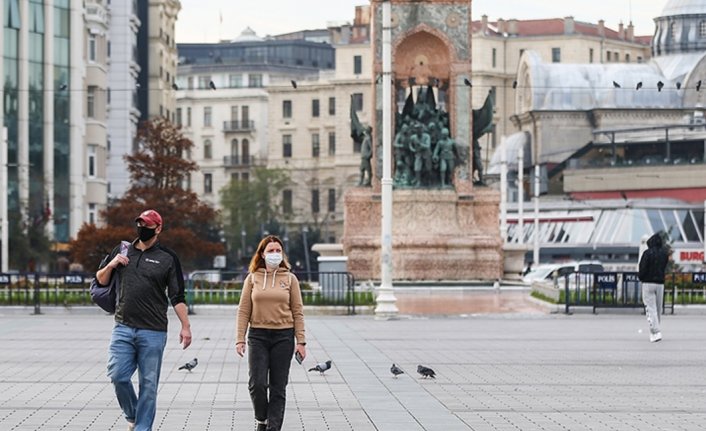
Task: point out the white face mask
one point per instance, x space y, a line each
273 259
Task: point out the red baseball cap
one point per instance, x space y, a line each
150 217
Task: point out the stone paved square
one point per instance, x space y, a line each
494 372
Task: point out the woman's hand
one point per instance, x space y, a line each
302 350
240 349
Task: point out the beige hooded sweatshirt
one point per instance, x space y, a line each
271 300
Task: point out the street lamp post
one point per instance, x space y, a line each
305 231
386 307
4 225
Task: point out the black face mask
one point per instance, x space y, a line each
145 234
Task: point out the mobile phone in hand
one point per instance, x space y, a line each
124 246
298 357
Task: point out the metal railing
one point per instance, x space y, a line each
238 126
238 161
624 290
317 288
38 290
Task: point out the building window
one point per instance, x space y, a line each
286 109
332 200
495 58
245 116
245 176
673 30
702 29
91 161
590 55
188 117
91 213
357 64
607 56
556 55
207 116
109 48
331 106
314 201
331 143
178 116
208 183
286 146
204 81
627 58
315 145
639 59
245 145
207 149
91 102
315 108
233 113
255 80
235 81
190 83
91 48
287 202
358 101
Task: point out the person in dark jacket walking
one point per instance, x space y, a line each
150 280
653 264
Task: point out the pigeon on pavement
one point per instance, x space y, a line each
426 372
395 370
190 365
322 367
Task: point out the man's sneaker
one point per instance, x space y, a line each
655 337
130 426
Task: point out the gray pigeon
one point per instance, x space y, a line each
395 370
426 372
321 367
190 365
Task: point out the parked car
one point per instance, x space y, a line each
553 271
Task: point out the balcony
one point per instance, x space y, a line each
238 126
238 161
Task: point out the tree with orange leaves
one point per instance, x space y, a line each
158 172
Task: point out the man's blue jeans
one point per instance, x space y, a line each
136 349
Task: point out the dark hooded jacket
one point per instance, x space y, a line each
654 261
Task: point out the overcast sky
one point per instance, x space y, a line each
198 23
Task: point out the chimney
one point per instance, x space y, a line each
569 25
621 31
484 24
631 32
501 26
513 29
601 28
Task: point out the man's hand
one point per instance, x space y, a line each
118 260
185 336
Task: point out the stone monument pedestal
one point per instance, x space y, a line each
436 234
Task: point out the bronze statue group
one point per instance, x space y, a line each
425 154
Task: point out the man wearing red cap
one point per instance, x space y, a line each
147 271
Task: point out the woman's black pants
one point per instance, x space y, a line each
270 356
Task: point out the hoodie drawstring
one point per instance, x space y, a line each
264 283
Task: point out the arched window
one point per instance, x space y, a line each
246 152
207 149
234 148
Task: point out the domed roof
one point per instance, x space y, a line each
684 7
248 35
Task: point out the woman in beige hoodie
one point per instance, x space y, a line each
272 314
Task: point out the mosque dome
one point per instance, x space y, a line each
681 28
248 35
684 7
